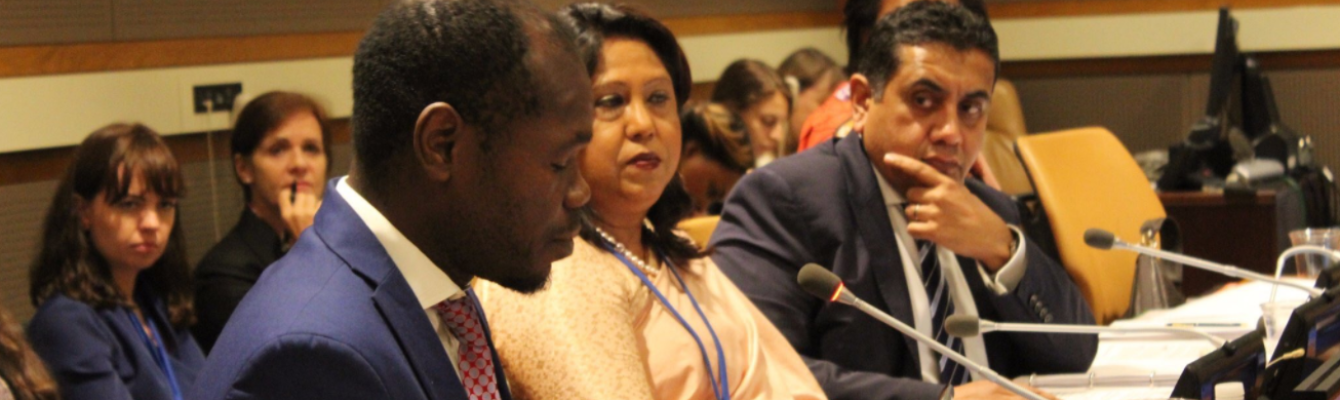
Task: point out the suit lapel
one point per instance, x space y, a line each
872 221
346 235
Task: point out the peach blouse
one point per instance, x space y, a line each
597 333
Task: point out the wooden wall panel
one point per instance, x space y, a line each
697 8
54 21
176 19
21 215
117 56
1283 60
1005 9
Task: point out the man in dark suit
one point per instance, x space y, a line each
468 117
891 212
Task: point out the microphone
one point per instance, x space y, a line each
1104 240
822 283
962 326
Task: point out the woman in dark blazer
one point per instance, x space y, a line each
280 157
111 283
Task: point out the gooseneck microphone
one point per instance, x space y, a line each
823 284
1104 240
968 326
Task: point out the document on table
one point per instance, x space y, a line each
1115 393
1135 366
1129 363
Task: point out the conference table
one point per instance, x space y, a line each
1147 365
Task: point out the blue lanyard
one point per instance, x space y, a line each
719 385
157 350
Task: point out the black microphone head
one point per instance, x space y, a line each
818 281
1099 239
959 325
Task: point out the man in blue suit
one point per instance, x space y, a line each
891 211
468 117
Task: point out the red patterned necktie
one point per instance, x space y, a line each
476 365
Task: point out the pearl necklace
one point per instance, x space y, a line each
624 250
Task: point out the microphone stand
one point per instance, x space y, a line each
852 300
1220 268
992 326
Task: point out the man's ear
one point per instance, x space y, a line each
436 134
862 97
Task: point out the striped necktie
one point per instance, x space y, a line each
941 306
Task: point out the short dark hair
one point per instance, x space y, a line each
471 54
69 264
746 82
859 17
263 115
920 23
593 23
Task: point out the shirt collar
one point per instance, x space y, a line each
891 197
429 284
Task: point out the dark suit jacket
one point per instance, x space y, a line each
228 271
97 354
333 319
824 206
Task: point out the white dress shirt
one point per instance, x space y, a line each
429 284
1004 281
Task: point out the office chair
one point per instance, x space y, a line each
1085 179
1004 125
700 228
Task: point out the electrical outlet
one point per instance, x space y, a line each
222 96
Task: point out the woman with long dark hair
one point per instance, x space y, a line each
111 283
637 311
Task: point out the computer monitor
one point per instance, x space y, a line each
1261 124
1313 327
1206 149
1241 360
1322 384
1329 278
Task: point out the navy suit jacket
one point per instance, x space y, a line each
98 354
333 319
824 206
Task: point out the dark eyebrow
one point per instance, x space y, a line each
978 95
929 84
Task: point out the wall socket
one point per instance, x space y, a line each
222 96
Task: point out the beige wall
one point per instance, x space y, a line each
1150 34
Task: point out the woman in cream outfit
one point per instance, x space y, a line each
637 311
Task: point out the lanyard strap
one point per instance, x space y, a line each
719 384
157 350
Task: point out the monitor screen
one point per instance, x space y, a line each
1313 327
1241 360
